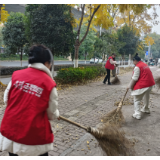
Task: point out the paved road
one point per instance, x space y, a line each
25 63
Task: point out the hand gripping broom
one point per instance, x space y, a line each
112 141
115 117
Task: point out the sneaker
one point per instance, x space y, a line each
145 110
104 82
109 83
136 116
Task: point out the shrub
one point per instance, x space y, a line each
79 75
58 67
9 70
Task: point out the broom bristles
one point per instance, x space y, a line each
112 141
114 117
157 81
115 80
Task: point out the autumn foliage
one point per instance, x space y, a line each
4 14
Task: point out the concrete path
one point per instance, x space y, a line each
86 104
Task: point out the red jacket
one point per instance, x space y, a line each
108 64
146 78
25 120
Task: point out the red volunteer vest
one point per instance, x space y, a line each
25 120
108 64
146 78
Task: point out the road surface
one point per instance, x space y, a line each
25 63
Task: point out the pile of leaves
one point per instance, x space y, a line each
79 75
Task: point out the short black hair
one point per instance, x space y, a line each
39 53
113 54
136 57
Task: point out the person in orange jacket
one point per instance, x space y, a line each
110 64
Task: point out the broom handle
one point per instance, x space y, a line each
125 94
77 124
120 105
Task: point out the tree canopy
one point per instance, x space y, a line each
155 48
88 44
3 14
14 32
99 15
51 25
128 36
1 36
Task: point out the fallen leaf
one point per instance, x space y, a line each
87 142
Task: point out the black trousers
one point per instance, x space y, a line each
45 154
107 76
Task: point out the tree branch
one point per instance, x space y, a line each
89 23
80 24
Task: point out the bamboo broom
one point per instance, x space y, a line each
112 141
157 81
116 117
115 79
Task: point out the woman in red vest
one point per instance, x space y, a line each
141 85
31 101
109 66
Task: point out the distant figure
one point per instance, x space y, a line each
110 65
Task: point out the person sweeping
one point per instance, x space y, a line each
31 101
141 85
110 65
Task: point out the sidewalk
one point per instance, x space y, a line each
85 104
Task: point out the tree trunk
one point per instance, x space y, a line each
123 60
76 56
0 10
53 66
102 59
85 56
21 57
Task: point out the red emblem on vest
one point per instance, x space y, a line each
25 120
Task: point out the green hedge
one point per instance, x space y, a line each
58 67
79 75
10 70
